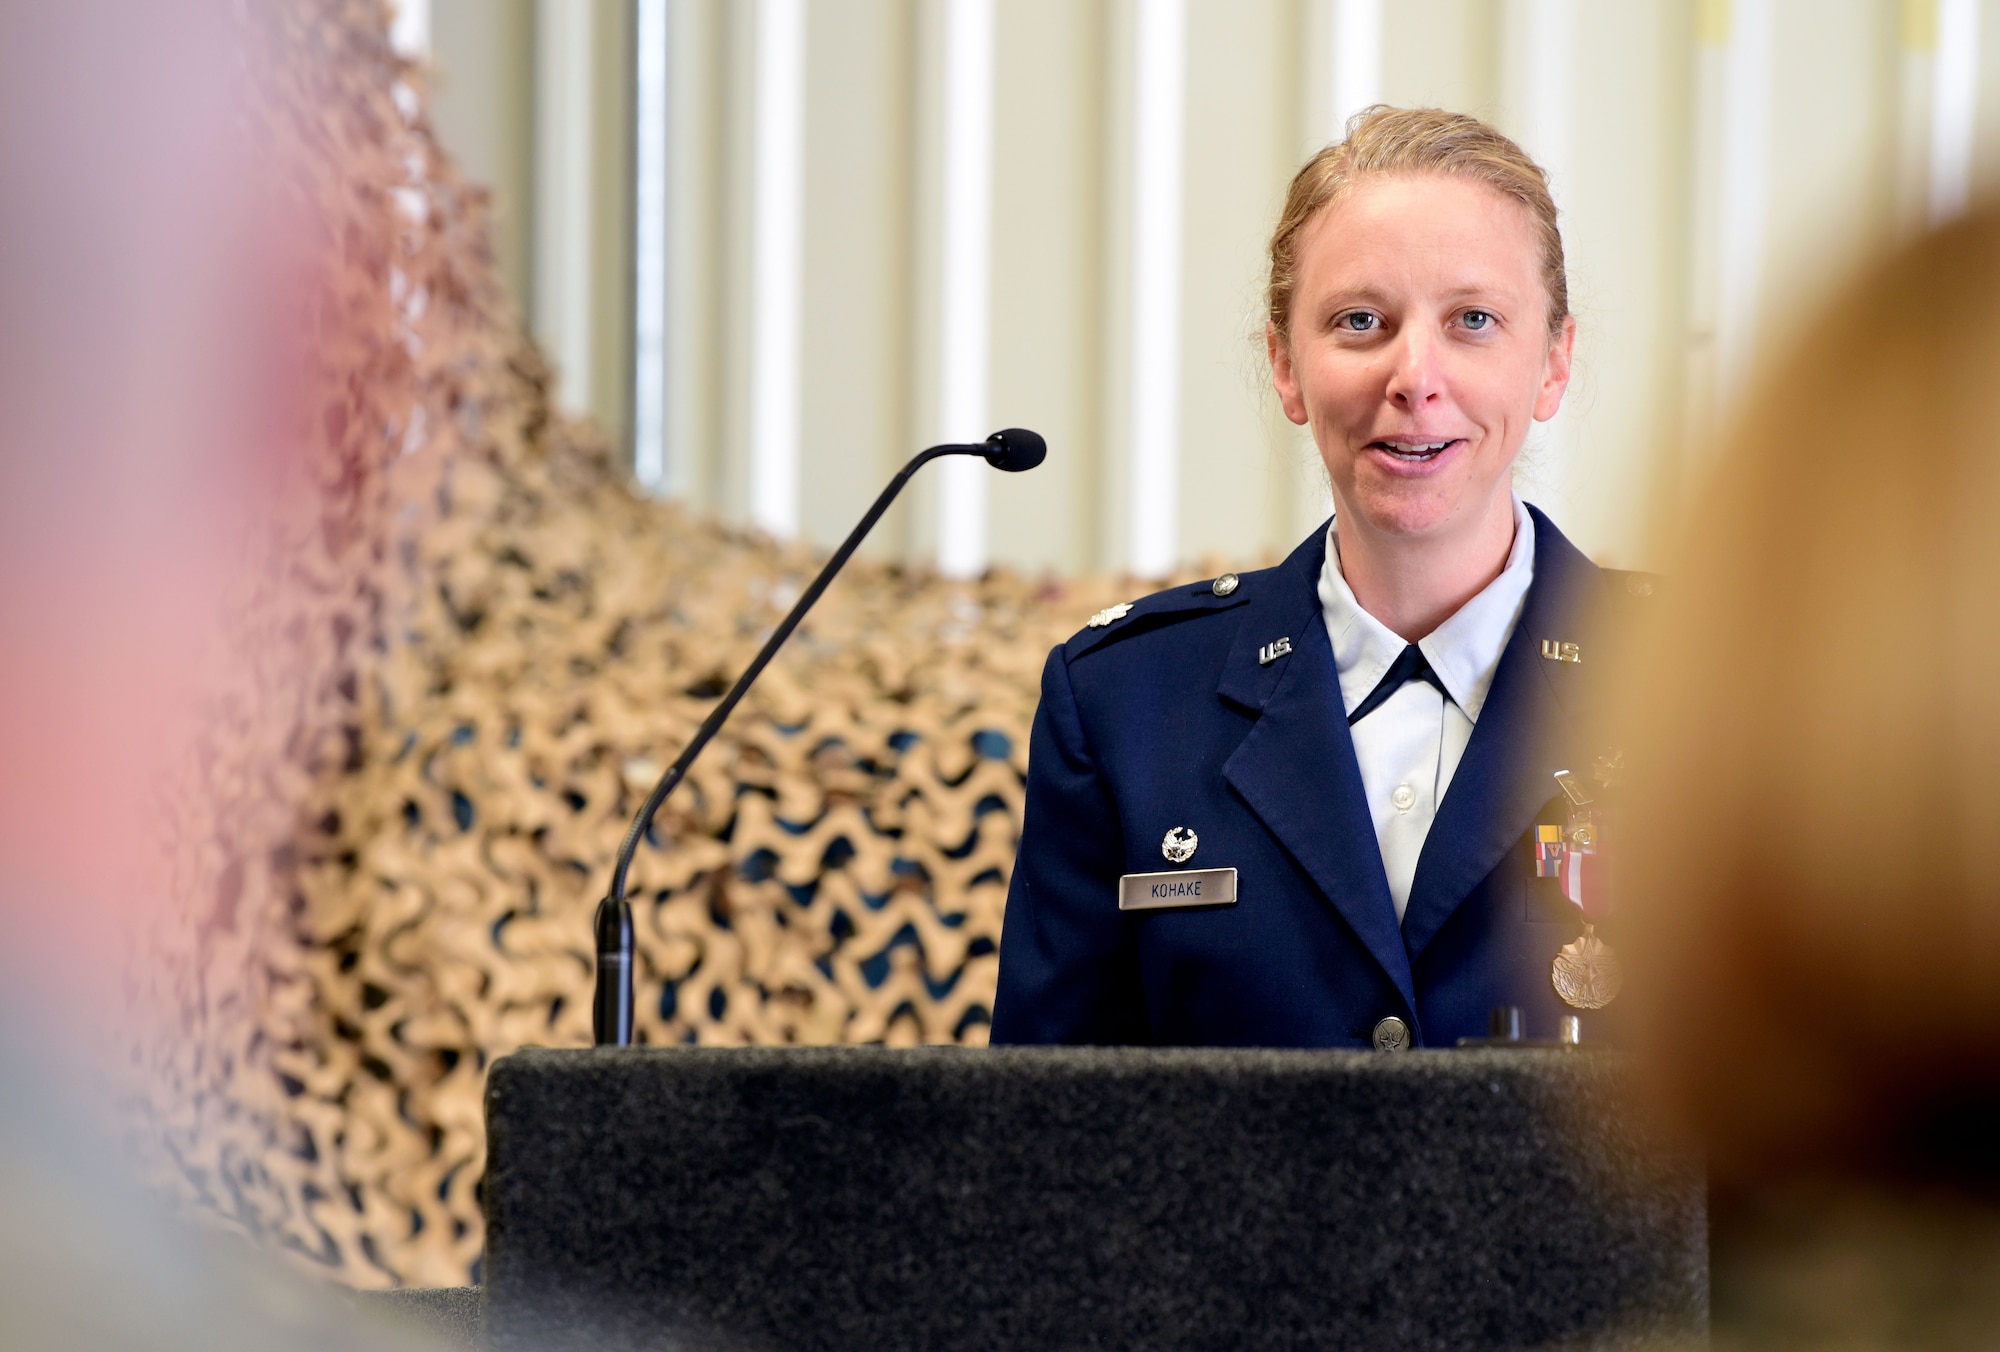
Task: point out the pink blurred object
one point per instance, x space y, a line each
146 415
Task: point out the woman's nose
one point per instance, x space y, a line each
1416 377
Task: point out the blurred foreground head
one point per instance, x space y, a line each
1819 877
142 375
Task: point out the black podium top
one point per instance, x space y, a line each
1039 1197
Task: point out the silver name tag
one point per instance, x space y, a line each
1182 887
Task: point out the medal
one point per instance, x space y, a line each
1586 973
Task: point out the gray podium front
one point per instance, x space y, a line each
1069 1198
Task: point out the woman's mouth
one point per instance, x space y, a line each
1414 452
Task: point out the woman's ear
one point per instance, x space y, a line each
1283 377
1555 371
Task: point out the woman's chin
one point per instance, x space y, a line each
1393 504
1405 509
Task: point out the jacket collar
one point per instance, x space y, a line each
1463 651
1297 771
1281 604
1531 724
1296 768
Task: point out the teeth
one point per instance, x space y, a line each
1427 448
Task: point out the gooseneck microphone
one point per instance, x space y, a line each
1012 450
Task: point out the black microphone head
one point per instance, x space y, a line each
1016 448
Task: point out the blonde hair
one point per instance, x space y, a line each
1382 140
1814 878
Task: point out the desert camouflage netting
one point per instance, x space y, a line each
473 652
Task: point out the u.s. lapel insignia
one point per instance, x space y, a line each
1556 651
1271 652
1110 615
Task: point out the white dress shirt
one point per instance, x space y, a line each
1410 745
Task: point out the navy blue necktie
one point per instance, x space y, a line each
1408 666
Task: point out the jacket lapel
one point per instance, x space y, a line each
1530 722
1296 768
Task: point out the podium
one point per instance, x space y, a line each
952 1198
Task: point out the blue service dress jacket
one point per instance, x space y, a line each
1178 715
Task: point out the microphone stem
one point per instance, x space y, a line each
613 1016
716 716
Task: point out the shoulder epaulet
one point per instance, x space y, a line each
1160 608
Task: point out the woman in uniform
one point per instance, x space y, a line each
1298 807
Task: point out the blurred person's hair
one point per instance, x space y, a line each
1814 874
1386 142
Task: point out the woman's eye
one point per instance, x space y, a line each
1477 320
1357 321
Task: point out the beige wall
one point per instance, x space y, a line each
1625 217
1048 326
1847 136
533 97
482 104
858 304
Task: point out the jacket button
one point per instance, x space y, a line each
1392 1035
